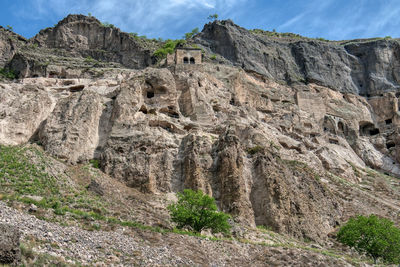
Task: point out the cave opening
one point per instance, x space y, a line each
150 94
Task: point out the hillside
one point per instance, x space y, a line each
292 136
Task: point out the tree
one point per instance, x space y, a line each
376 237
192 33
199 211
212 17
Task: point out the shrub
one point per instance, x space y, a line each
374 236
168 48
108 25
255 150
212 17
213 57
95 163
199 211
189 35
8 74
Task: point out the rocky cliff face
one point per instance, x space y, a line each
86 36
9 44
299 156
237 137
367 67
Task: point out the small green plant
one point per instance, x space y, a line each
10 28
376 237
189 35
168 48
89 14
198 211
8 74
213 57
255 150
212 17
95 163
108 25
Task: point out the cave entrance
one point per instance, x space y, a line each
192 61
150 94
185 60
368 129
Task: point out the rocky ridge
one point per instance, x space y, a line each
288 141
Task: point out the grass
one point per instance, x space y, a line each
23 173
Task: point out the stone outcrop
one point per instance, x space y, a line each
366 67
9 44
270 152
9 245
87 36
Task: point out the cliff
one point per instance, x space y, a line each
288 134
366 67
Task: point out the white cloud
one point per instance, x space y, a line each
150 17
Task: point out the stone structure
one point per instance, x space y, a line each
185 56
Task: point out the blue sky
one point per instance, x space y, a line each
330 19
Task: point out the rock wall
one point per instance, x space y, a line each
86 36
367 68
9 44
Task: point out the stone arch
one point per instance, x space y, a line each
185 60
192 61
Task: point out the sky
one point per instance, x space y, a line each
329 19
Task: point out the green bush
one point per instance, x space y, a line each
374 236
199 211
189 35
212 17
255 150
168 48
95 163
8 74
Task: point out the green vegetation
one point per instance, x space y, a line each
289 35
213 57
168 48
8 74
108 25
374 236
198 211
95 163
212 17
189 35
21 178
255 150
10 28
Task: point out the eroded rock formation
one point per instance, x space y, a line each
271 153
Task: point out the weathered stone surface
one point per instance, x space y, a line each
86 36
288 196
9 44
9 244
22 109
360 67
71 132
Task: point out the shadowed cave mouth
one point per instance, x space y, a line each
389 145
150 94
368 129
